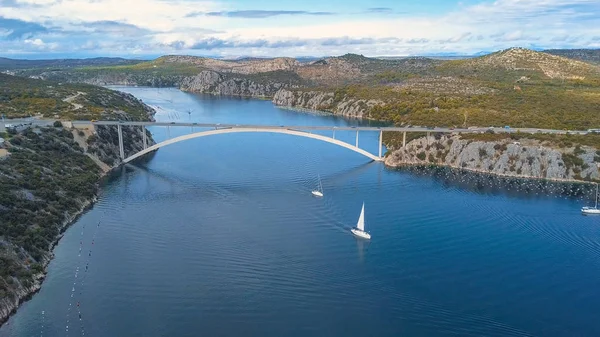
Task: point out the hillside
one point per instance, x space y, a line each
518 87
48 176
531 156
506 64
22 97
10 64
585 55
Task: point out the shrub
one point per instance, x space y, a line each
571 160
57 124
421 155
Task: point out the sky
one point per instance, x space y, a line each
267 28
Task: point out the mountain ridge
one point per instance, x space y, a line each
516 85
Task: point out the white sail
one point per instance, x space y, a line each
361 220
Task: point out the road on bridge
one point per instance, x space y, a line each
49 122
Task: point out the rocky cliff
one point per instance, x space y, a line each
103 78
325 101
527 158
212 82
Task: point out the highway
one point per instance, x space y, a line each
49 122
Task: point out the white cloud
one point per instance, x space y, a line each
164 26
35 42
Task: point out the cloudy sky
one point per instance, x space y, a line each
230 28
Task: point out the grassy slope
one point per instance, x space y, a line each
520 94
514 87
20 97
11 64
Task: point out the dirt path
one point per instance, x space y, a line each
82 142
70 99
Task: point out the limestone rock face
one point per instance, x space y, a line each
212 82
526 159
324 101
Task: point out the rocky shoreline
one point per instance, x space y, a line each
527 158
325 101
9 308
103 148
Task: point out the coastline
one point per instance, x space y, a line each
9 308
484 172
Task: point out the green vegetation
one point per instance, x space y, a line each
57 64
569 105
45 177
560 141
516 87
24 97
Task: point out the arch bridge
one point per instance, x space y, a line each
220 131
300 131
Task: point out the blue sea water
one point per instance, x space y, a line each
220 236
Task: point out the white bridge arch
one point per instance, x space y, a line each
258 129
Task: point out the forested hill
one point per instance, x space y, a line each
10 64
516 86
23 97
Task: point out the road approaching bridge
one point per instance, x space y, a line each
208 129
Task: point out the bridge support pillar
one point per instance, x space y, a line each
144 138
121 151
380 142
404 139
333 134
356 138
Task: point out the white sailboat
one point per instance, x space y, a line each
592 210
319 191
359 230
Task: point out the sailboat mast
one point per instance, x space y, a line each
596 195
320 185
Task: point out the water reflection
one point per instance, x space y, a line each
362 247
489 184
